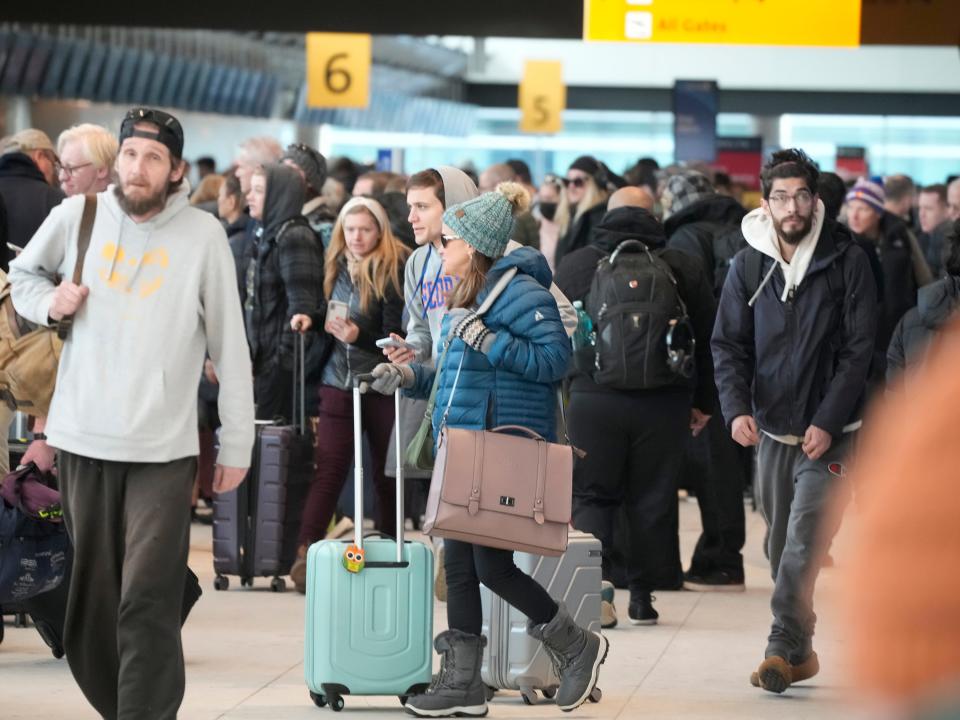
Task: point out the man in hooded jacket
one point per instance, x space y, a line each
634 439
792 347
283 280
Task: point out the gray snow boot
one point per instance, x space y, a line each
456 691
576 653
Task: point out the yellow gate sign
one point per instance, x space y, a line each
822 23
543 97
338 70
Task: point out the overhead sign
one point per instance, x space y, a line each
338 70
694 120
742 159
822 23
542 97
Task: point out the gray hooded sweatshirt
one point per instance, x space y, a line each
426 286
162 294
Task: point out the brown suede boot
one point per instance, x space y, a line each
797 673
298 573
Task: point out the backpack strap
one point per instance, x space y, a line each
83 244
752 271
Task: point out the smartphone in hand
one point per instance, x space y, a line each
337 310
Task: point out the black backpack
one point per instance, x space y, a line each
644 338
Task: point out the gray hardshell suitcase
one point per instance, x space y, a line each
255 527
512 659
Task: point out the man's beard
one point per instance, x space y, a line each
141 206
793 237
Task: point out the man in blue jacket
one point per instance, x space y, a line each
792 344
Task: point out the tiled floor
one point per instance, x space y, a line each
244 657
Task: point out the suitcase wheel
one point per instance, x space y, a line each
596 695
549 693
490 691
529 696
20 620
278 585
246 582
221 582
318 700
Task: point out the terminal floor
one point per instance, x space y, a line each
244 651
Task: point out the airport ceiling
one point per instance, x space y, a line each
505 18
884 22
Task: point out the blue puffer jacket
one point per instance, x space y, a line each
514 383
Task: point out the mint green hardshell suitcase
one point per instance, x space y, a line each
370 632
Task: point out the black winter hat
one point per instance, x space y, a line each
586 164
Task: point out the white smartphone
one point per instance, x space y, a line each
337 310
389 342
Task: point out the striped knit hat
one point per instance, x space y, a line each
869 192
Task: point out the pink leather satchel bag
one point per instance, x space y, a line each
501 490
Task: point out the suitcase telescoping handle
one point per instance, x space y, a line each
358 467
299 410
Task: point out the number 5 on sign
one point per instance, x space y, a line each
338 70
543 97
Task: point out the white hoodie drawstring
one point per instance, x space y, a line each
766 279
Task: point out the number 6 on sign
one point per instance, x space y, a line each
338 70
543 97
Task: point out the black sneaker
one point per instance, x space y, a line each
712 581
641 610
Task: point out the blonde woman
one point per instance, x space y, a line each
587 195
364 271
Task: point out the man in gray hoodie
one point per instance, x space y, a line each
158 291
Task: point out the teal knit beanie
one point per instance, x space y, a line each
486 222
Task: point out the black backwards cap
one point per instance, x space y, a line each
169 132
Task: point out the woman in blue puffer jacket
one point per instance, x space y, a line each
508 362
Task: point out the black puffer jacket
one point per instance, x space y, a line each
28 200
804 361
286 275
709 230
381 318
575 275
902 265
580 233
935 305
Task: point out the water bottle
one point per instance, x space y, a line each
584 339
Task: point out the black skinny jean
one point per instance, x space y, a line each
468 565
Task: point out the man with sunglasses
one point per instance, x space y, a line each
792 346
157 291
28 187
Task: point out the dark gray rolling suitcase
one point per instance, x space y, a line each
255 527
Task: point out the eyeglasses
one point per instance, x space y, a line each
70 170
577 182
802 198
445 239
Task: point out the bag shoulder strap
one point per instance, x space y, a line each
83 244
753 271
83 239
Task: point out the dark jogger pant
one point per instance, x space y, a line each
715 470
634 444
130 527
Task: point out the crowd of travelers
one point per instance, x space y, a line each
675 337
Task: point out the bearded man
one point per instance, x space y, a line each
158 291
792 346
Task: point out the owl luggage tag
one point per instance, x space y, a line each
353 558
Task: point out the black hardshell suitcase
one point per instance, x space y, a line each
255 527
